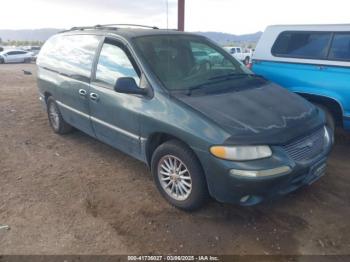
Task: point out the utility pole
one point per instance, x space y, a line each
181 15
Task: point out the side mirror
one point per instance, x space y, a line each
127 85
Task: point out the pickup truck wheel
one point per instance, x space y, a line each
56 120
330 121
179 176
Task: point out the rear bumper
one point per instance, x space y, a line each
228 188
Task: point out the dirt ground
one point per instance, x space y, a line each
74 195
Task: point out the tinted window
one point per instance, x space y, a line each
175 61
114 63
312 45
340 49
14 53
72 55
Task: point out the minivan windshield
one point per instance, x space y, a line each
184 62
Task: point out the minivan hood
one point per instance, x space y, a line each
266 114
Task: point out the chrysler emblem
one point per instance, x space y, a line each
307 144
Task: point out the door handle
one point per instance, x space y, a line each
82 92
94 96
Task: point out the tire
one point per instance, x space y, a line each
2 61
177 152
56 120
330 121
27 60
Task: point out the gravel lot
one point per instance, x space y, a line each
74 195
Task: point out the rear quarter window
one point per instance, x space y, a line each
340 48
302 44
72 55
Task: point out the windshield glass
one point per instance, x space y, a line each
187 62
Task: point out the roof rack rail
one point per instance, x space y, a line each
76 28
134 25
112 26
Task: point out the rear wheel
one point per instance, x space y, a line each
56 120
2 61
179 176
27 60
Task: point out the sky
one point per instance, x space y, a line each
229 16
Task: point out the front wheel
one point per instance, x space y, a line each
179 176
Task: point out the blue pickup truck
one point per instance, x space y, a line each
312 61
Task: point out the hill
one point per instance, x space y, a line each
28 34
224 38
44 34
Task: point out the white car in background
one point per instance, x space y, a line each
15 56
237 52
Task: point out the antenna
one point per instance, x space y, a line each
167 14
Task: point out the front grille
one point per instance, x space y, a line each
306 147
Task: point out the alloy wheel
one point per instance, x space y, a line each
53 115
174 177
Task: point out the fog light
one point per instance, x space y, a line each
261 173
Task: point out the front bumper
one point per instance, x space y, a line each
228 188
42 100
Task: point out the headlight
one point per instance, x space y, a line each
241 153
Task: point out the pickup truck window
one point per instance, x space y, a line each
340 49
302 44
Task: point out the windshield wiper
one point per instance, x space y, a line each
219 79
232 75
193 88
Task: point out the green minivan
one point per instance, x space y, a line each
203 123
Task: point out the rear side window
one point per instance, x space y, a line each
310 45
72 55
340 49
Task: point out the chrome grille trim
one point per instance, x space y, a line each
307 147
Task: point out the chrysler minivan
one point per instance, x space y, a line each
205 126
